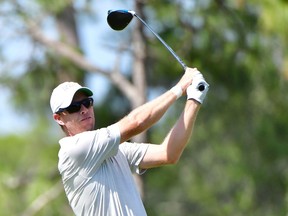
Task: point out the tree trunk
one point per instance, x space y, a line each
139 79
67 29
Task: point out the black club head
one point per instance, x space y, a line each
119 19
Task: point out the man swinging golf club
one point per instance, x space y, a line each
97 165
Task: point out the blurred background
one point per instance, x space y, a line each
237 160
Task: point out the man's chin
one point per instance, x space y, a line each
87 124
89 127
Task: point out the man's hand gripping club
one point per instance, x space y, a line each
198 89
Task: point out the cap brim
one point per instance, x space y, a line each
85 90
69 98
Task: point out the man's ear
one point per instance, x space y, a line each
58 119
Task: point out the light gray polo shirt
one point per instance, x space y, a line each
96 173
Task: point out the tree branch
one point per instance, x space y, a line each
127 88
44 199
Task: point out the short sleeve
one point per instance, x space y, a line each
89 149
134 153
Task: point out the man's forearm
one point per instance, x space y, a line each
178 137
143 117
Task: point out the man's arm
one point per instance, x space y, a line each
176 140
148 114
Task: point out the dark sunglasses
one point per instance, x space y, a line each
76 106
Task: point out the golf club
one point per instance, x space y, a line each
119 19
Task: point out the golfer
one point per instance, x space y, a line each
97 165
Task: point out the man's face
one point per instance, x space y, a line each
77 122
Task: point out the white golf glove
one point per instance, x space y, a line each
198 89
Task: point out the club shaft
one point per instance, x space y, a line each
200 87
163 42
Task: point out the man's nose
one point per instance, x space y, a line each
83 109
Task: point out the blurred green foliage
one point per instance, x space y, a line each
236 162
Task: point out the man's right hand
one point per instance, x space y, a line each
187 78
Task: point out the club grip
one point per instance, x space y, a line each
201 87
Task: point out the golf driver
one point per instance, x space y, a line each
119 19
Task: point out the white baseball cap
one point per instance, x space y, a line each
63 94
